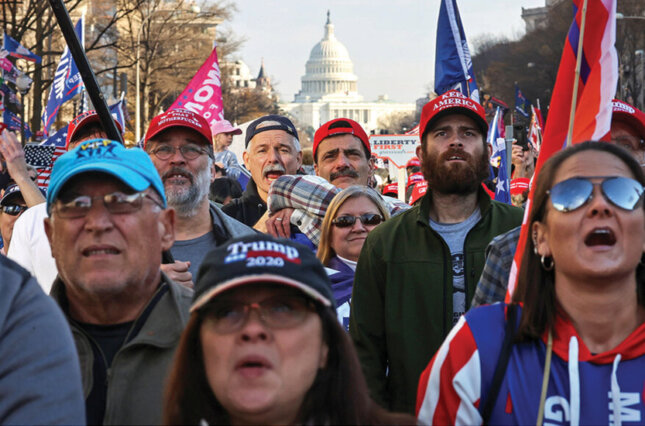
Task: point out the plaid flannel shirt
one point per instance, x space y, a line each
499 259
310 196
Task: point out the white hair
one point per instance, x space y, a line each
294 140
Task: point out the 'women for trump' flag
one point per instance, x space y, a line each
581 105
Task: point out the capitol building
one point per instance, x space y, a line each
329 89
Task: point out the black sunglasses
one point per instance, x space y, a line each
571 194
13 210
367 219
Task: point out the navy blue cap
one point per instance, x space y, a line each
284 124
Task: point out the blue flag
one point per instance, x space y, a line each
13 122
17 50
522 105
503 187
453 67
67 83
57 139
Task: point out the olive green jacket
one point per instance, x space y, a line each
402 297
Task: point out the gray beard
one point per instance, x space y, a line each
185 201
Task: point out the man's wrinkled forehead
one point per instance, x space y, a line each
182 133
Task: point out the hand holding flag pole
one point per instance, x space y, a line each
93 89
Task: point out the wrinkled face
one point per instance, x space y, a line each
260 375
342 161
104 253
223 141
624 135
7 221
598 239
348 242
186 182
271 154
453 159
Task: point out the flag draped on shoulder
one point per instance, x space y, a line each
453 69
203 95
581 104
67 82
17 50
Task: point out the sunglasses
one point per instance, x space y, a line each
571 194
367 219
13 210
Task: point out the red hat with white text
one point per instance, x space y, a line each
451 102
179 118
624 112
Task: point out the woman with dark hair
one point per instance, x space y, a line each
577 353
288 363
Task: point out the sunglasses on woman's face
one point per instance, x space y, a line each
14 209
571 194
367 219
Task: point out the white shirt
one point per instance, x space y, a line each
30 246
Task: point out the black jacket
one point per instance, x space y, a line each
249 208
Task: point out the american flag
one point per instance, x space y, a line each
42 158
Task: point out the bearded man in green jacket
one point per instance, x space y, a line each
418 271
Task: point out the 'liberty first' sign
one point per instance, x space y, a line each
396 148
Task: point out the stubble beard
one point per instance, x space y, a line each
186 200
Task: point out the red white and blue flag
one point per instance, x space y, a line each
591 104
17 50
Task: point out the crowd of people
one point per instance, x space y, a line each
146 286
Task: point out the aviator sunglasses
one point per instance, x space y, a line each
13 209
367 219
571 194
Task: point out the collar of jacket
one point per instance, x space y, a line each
164 323
251 194
423 213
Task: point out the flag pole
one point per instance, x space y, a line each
574 95
84 68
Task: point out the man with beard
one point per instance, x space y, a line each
272 150
179 144
417 271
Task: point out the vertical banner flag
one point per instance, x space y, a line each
67 82
203 95
582 95
453 69
535 129
493 135
17 50
503 187
522 105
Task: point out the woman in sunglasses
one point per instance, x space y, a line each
263 346
576 352
351 215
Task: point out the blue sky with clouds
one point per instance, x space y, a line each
391 42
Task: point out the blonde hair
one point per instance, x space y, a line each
325 251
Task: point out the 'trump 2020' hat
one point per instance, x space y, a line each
131 166
451 102
341 126
262 259
281 123
622 111
179 118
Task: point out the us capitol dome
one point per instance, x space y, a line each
329 89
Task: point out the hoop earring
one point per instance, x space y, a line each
547 266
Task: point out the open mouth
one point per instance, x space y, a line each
271 176
99 251
253 366
600 237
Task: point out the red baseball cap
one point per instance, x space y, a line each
451 102
340 126
82 120
413 162
519 185
414 178
179 118
418 191
624 112
391 188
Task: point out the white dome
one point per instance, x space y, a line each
329 72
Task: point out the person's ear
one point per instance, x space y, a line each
420 152
540 233
167 228
245 158
49 231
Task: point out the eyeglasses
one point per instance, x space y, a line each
115 203
278 312
571 194
367 219
13 210
189 152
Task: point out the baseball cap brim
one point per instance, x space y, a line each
630 120
259 278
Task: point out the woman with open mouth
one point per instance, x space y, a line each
570 347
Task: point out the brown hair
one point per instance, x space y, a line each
339 394
325 251
536 286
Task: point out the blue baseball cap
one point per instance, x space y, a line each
131 166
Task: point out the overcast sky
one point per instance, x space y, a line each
391 42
